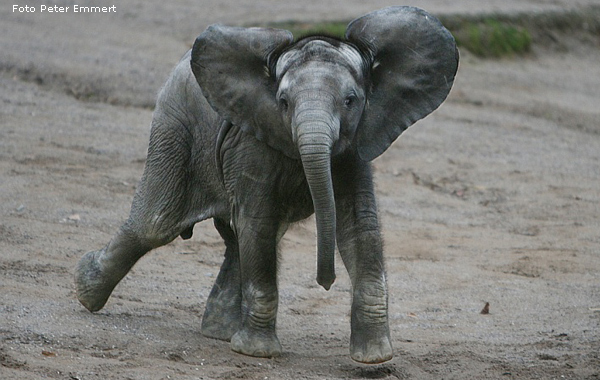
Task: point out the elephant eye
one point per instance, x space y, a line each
349 101
283 103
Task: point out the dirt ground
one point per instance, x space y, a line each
494 198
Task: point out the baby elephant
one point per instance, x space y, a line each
257 130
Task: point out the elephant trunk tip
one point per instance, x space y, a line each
325 278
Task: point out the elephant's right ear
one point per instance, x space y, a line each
232 67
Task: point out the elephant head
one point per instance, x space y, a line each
318 97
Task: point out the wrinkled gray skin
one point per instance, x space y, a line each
257 131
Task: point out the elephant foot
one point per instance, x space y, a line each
221 321
261 344
371 348
93 286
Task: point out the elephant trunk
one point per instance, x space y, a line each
315 141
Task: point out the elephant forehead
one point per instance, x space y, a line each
321 51
314 74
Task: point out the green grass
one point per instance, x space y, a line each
492 38
496 35
489 38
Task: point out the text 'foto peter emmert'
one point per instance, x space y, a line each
43 8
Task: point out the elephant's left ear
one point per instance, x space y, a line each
232 67
413 63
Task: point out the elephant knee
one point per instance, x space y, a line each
148 234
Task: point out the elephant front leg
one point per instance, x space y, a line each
370 334
257 336
360 246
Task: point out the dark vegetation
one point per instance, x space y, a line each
493 35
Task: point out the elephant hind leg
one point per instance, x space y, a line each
158 215
222 316
98 272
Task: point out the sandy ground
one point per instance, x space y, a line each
494 198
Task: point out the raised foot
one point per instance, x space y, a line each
261 344
374 350
93 286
